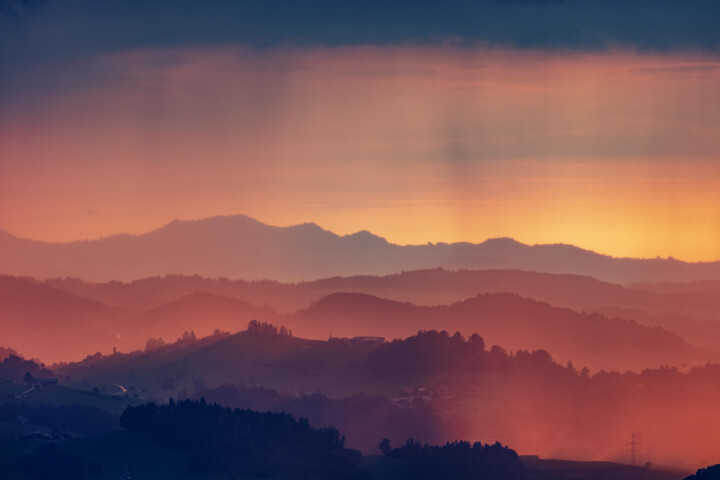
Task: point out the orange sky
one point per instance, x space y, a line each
618 152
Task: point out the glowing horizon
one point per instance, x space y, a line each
350 231
616 152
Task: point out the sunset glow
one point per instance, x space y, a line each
360 239
616 152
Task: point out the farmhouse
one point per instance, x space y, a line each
46 381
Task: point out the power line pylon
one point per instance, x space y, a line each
634 448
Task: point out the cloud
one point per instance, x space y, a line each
40 30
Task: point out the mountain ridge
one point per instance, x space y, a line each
242 247
176 223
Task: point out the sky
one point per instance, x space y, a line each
590 123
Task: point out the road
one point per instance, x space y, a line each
122 389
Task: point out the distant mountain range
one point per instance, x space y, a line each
241 247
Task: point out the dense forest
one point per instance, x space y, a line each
15 367
522 398
218 439
529 401
361 418
708 473
433 351
455 461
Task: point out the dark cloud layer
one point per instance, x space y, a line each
53 29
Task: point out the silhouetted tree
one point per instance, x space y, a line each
385 447
459 461
265 328
187 338
220 440
153 344
16 368
707 473
362 418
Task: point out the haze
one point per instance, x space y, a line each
360 239
614 151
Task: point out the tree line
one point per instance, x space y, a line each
220 440
362 418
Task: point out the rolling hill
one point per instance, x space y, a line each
73 326
524 398
42 322
84 326
691 314
509 320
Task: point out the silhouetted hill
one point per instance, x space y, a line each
278 361
216 440
241 247
361 418
508 320
700 286
168 306
522 398
41 322
689 312
201 312
6 352
711 472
